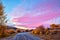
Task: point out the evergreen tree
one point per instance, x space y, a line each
2 15
3 21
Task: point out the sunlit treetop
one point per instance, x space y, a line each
1 8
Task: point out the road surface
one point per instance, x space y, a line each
26 36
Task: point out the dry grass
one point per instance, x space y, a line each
52 33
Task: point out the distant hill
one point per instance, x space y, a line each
11 27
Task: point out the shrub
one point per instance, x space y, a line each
2 31
35 31
53 32
39 30
18 30
52 26
47 31
11 31
27 30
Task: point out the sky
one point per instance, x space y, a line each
32 13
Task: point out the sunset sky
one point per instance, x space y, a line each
32 13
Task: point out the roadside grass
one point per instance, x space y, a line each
8 35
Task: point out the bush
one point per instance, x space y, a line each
11 31
39 30
35 31
18 30
27 30
53 32
3 32
47 31
52 26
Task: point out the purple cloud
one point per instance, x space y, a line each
36 14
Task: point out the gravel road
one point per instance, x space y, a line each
22 36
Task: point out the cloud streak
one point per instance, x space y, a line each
33 13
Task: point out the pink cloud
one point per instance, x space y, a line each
37 15
37 20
